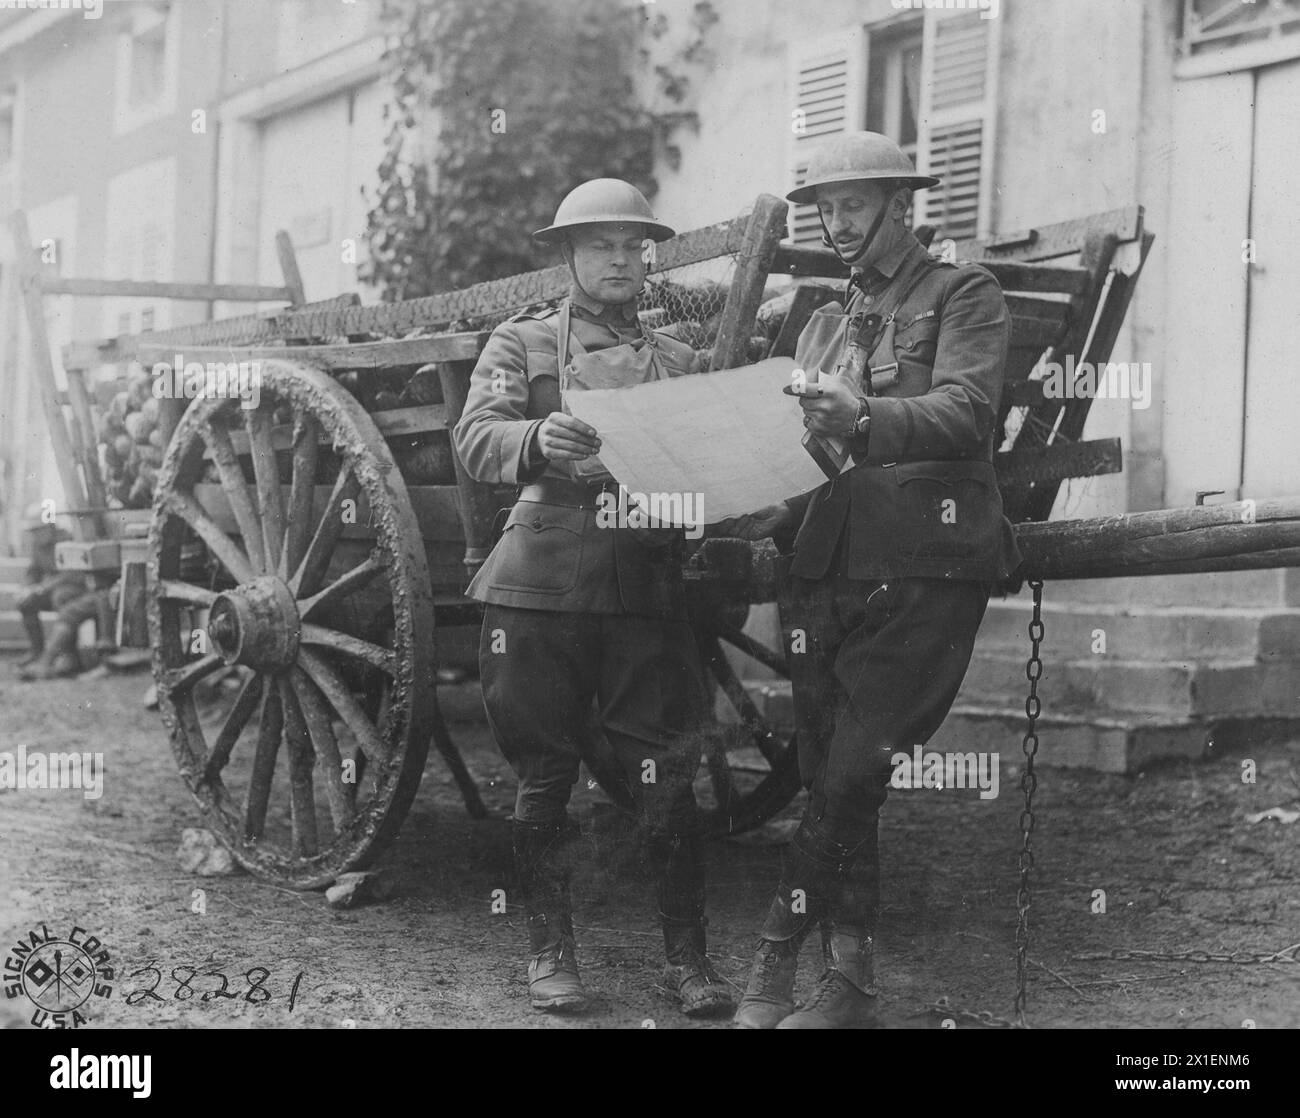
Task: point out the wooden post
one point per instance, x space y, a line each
477 507
29 283
767 225
289 268
1237 536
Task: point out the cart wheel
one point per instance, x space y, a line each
748 771
317 602
752 770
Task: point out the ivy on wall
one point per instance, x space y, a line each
498 109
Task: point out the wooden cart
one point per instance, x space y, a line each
319 542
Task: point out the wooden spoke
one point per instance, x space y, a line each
233 726
374 654
178 679
317 558
768 743
220 544
269 498
302 801
236 491
321 728
340 698
715 756
756 650
268 744
306 450
186 592
345 584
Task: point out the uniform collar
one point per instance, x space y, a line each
907 252
613 314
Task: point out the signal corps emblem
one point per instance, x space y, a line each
59 975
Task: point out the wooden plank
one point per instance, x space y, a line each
1133 543
802 260
1014 275
246 329
437 510
147 289
766 227
363 356
392 424
87 447
1040 464
289 268
1038 333
29 283
1061 239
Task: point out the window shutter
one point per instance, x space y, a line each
955 142
828 89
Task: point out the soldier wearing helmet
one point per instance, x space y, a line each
893 559
577 612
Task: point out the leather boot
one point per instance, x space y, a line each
769 994
553 980
688 972
845 997
679 866
35 637
813 868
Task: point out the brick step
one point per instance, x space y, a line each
1121 744
1104 685
1160 633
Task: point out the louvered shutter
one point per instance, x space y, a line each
828 84
955 142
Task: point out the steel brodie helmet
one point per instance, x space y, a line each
601 200
858 157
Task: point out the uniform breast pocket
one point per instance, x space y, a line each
948 509
540 550
915 346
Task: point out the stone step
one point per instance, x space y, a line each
1105 685
13 637
1133 632
1111 745
1070 740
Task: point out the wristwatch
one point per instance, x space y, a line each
861 420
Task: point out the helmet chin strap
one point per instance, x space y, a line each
867 242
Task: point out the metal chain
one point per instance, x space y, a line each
1286 955
1028 785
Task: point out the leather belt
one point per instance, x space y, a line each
566 491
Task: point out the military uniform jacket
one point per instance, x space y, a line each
922 498
553 554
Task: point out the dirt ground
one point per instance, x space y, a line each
1181 867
